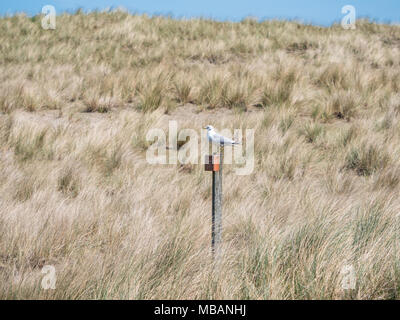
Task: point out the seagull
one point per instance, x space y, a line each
216 138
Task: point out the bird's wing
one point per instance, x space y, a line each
221 139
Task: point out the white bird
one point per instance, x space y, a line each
216 138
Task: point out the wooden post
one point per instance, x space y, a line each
217 207
215 165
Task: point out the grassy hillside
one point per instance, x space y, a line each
76 191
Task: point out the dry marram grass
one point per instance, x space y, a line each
76 191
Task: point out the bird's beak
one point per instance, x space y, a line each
204 127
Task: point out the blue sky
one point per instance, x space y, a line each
321 12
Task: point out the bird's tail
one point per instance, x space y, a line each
237 143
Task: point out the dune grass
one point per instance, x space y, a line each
76 191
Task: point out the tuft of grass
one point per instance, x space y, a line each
366 159
311 132
183 91
24 189
285 168
106 158
279 92
369 224
68 183
28 145
214 92
390 178
301 47
285 124
95 105
151 98
342 105
347 136
333 77
113 160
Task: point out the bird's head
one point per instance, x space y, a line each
209 128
